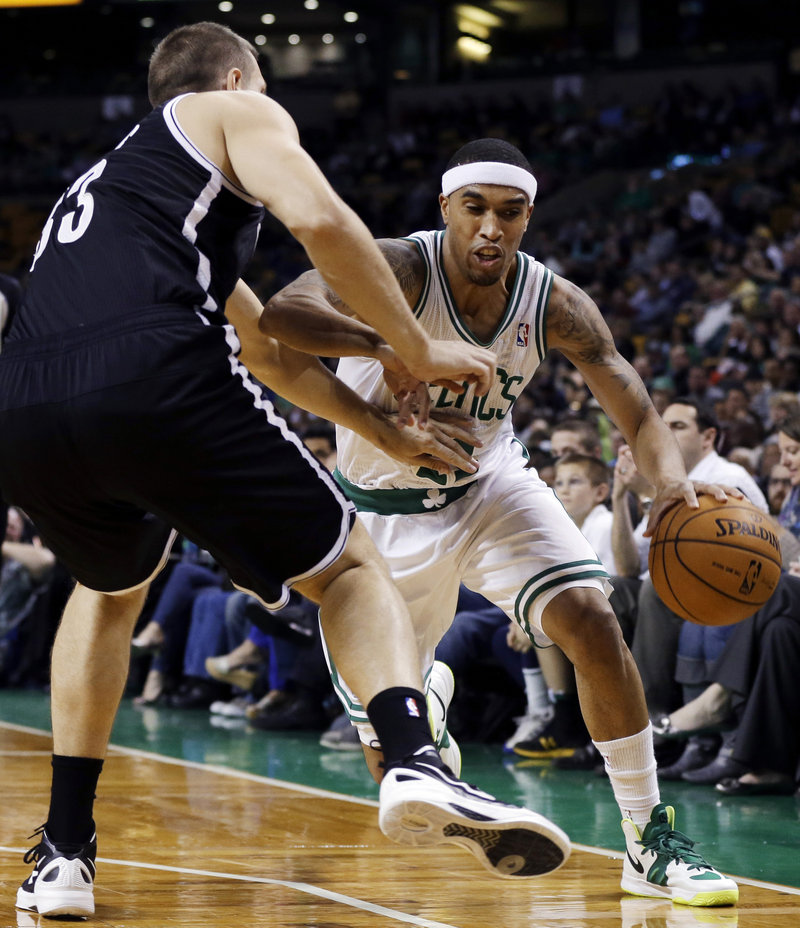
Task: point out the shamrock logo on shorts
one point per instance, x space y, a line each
435 499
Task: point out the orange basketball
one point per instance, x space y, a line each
717 564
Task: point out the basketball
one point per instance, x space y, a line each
715 565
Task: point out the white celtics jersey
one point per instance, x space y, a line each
372 478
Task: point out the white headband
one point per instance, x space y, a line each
489 172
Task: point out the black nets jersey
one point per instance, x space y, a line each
153 223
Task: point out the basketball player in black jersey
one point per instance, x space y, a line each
127 413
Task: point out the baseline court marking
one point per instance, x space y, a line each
329 794
287 884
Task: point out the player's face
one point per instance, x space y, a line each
252 78
790 456
576 492
485 224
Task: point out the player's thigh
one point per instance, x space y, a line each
527 551
423 553
242 485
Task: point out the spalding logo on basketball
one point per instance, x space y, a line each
715 565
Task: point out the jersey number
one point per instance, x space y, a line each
74 223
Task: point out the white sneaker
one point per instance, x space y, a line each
529 727
62 882
660 862
233 708
441 686
422 805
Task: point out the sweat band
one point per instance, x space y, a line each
489 172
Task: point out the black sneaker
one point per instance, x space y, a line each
62 881
423 804
561 737
298 713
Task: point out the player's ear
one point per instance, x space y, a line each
444 206
233 79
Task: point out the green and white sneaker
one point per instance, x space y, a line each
441 686
661 863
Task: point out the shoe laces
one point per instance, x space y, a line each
35 852
664 842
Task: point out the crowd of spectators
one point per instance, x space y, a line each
696 269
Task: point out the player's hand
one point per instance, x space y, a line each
454 366
413 399
439 447
517 640
686 491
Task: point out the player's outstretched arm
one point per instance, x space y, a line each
576 327
310 316
302 379
262 144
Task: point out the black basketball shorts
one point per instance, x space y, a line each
192 446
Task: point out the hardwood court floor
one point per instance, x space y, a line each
202 826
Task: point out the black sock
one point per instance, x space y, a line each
72 799
399 716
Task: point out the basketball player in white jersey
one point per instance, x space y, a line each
501 531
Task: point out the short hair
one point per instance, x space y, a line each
489 150
791 426
595 468
320 429
195 58
587 432
703 413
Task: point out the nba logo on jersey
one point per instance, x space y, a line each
523 331
413 708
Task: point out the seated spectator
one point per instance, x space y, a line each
307 701
580 436
26 565
165 635
754 695
266 647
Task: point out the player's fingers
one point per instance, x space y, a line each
454 386
657 510
432 463
454 454
405 411
422 401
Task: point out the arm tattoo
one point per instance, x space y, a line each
578 329
406 264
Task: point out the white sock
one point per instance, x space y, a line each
631 766
535 690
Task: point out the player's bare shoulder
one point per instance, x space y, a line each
575 325
407 265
